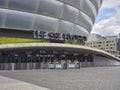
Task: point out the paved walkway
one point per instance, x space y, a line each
12 84
99 78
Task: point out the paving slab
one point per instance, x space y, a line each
95 78
12 84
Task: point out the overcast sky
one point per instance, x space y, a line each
108 19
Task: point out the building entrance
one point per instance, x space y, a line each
43 59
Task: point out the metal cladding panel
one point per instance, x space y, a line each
63 16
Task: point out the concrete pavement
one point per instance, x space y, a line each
12 84
93 78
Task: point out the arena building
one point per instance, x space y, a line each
54 21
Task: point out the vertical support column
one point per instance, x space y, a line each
16 59
65 66
93 61
1 61
13 66
5 63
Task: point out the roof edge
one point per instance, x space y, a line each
37 45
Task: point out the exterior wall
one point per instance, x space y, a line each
77 15
110 44
16 33
106 44
116 53
44 55
95 37
118 44
103 61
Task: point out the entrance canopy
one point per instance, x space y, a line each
59 47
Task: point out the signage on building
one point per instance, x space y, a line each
59 36
71 65
58 66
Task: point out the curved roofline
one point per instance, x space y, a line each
58 46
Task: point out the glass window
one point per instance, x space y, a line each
2 16
83 21
99 3
19 20
24 5
62 0
80 31
70 13
65 27
53 8
44 23
92 7
94 2
87 9
2 3
74 3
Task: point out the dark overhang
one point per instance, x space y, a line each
59 47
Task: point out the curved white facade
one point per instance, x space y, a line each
63 16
